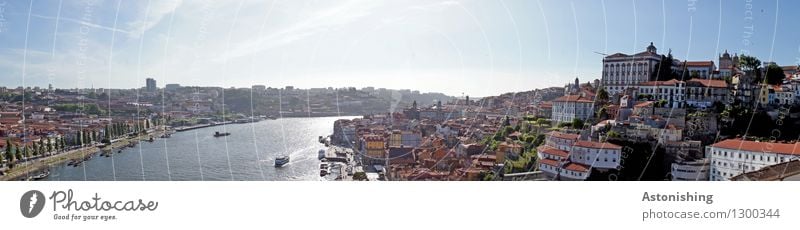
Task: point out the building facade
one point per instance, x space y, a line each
672 91
621 71
569 107
690 170
704 92
732 157
150 85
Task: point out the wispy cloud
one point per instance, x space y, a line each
317 22
80 22
157 11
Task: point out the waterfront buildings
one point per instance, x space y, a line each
373 148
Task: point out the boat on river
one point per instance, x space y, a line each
281 161
218 134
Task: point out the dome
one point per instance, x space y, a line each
651 48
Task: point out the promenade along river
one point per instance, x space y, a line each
198 155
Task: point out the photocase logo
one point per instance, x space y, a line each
31 203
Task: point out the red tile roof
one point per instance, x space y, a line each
552 151
597 145
671 82
699 63
710 83
572 166
643 104
766 147
550 162
574 98
563 135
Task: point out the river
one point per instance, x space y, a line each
195 155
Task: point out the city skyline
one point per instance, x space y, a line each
451 47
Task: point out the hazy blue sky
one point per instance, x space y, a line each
475 47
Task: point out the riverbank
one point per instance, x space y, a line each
26 169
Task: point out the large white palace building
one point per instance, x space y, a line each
621 71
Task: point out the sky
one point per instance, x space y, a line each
476 48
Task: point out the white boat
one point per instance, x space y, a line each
281 160
41 175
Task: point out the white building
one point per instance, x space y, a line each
694 92
672 91
701 69
622 71
704 92
599 155
690 170
564 157
559 140
785 95
735 156
569 107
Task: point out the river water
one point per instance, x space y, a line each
247 154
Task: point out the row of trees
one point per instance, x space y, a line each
117 130
45 146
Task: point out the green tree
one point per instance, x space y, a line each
775 74
18 153
602 96
360 176
663 69
50 145
9 155
42 146
749 63
35 149
79 138
577 123
542 121
660 103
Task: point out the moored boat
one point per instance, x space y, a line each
218 134
41 175
281 161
